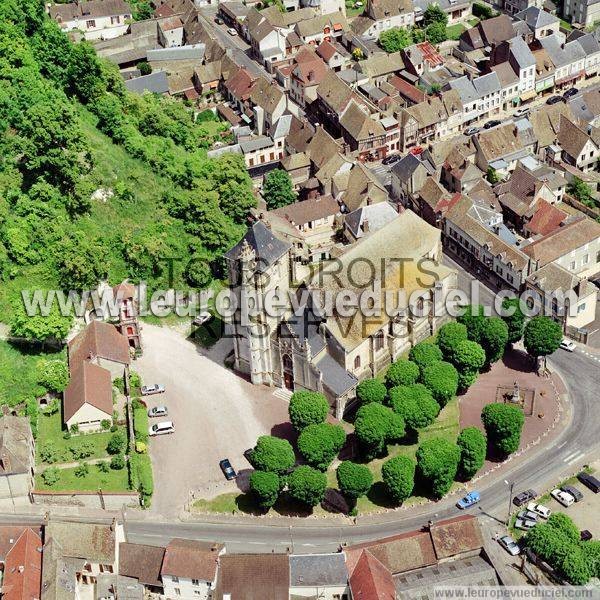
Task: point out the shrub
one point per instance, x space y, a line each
483 11
503 424
425 354
469 358
565 525
67 435
140 424
104 466
319 444
307 485
49 453
117 462
116 443
82 470
265 486
448 336
105 424
307 408
415 404
273 454
53 375
398 474
493 338
51 476
32 410
135 381
375 426
441 379
437 461
354 480
402 372
82 449
52 408
74 428
473 447
371 390
140 447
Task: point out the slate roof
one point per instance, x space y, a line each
375 215
560 54
98 339
563 240
156 82
495 30
553 277
305 327
521 52
191 52
253 577
406 166
141 562
370 580
335 377
267 247
15 445
191 559
536 17
316 570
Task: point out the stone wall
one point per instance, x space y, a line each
103 501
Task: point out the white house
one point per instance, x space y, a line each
96 19
189 569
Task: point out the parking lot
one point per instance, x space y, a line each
216 415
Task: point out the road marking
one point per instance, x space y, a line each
561 445
570 456
574 458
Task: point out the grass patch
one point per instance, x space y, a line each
18 376
566 25
225 503
472 22
454 31
113 481
51 431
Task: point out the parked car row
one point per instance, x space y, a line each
161 410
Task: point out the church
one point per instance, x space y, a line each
313 345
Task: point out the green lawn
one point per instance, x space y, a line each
50 430
454 31
113 481
565 25
18 377
472 22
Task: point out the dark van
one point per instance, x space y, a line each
589 481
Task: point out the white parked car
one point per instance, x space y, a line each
161 428
158 411
539 509
521 112
563 497
155 388
568 345
232 31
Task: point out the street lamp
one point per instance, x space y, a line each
510 485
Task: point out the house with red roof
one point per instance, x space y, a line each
23 568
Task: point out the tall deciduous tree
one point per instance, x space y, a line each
542 336
473 447
415 404
278 190
493 338
307 408
319 443
425 354
449 335
307 485
265 486
434 14
514 318
398 475
469 358
354 480
441 379
437 462
371 390
402 372
503 424
395 39
273 454
473 318
375 426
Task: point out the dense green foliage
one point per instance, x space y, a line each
161 195
503 424
441 378
493 338
542 336
307 485
140 424
514 321
354 480
375 426
402 372
278 190
53 374
415 404
473 318
371 390
140 476
473 447
307 408
117 442
436 33
434 14
319 444
265 486
448 336
582 191
398 474
437 462
483 11
395 39
425 354
469 358
273 454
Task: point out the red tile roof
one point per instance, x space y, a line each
98 339
408 90
23 568
240 84
191 559
89 384
430 54
545 219
370 580
326 50
456 536
309 69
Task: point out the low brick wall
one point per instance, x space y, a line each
103 501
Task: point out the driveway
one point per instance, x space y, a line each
216 415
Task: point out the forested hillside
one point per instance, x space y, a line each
70 128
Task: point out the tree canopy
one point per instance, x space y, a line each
354 480
371 390
375 426
449 335
415 404
307 485
437 462
515 321
402 372
398 475
503 424
307 408
319 444
273 454
441 379
542 336
265 486
424 354
493 338
278 190
473 447
395 39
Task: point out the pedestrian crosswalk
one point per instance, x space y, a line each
574 457
595 357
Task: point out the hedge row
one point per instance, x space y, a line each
140 476
140 424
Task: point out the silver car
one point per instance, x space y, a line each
158 411
525 524
509 545
155 388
